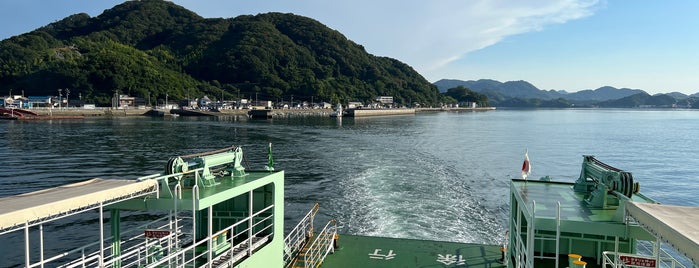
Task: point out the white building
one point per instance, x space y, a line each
385 100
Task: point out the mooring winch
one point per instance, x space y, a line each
605 185
203 166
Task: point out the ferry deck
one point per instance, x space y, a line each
209 211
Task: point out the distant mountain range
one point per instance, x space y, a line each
523 93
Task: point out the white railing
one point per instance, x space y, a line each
92 247
299 236
135 251
322 245
163 251
548 238
138 251
186 257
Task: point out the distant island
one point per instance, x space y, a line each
524 94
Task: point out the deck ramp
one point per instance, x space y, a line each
300 260
32 208
305 257
238 252
676 225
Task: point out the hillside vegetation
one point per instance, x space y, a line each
151 48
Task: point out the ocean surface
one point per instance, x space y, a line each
437 176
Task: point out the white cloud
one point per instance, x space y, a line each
427 35
430 34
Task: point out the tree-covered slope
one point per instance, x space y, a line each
150 48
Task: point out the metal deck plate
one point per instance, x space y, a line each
363 251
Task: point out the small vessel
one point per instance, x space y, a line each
338 112
208 210
14 112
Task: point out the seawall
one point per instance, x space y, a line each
378 112
90 112
109 112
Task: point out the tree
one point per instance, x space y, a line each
462 94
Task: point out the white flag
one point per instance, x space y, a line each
526 167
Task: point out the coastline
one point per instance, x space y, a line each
109 112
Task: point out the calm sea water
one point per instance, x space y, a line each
441 176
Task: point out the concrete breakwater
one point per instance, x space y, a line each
459 109
109 112
90 112
408 111
378 112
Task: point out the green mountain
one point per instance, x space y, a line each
151 48
524 94
641 100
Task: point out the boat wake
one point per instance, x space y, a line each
420 199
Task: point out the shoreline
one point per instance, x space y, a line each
108 112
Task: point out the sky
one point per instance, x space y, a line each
569 45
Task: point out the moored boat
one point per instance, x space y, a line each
338 112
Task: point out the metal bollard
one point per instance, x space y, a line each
572 258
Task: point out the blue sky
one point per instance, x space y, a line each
554 44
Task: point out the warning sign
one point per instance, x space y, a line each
156 233
638 261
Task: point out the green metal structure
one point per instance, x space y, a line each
207 210
217 213
549 220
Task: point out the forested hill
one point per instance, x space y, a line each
151 48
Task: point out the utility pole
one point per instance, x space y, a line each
60 99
